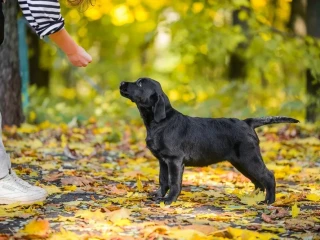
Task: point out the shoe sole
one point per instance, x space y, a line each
14 201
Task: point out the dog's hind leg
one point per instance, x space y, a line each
163 181
253 164
257 185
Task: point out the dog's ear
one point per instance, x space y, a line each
159 109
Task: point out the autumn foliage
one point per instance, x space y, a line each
98 178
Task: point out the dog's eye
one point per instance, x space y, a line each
139 83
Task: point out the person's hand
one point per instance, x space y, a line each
76 54
80 58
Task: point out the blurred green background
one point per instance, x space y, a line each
232 58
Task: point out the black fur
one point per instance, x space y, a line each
177 140
1 24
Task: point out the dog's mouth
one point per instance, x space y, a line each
125 94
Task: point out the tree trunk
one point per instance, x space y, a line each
313 82
297 21
10 82
237 69
38 76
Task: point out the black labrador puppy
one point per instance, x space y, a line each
177 140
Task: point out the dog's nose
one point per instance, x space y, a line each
123 85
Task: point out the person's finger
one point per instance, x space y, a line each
84 63
88 57
88 61
78 64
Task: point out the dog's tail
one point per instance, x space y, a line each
258 122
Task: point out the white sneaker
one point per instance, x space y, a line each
25 184
12 192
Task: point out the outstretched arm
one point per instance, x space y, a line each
76 54
45 17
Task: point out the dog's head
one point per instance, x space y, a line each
147 93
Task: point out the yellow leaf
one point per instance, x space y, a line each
4 213
22 160
122 222
139 185
252 199
313 197
186 234
65 235
238 233
72 203
48 166
38 227
27 128
71 188
162 205
295 210
155 229
273 229
52 189
88 151
118 215
12 205
33 174
36 143
214 194
118 200
90 215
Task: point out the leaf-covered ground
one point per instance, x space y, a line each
98 179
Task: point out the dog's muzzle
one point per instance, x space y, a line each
124 89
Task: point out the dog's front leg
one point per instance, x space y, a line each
176 169
163 180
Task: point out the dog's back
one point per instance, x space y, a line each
201 141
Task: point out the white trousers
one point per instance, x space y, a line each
5 163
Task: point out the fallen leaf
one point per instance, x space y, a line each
64 235
90 215
252 199
205 229
266 218
53 176
119 215
52 189
139 185
313 197
295 210
237 233
70 153
186 234
37 227
76 181
300 225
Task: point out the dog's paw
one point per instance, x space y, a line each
166 200
155 195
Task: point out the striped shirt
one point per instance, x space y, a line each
43 15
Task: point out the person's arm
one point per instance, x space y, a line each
76 54
44 16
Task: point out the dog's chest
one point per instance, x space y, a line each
152 144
